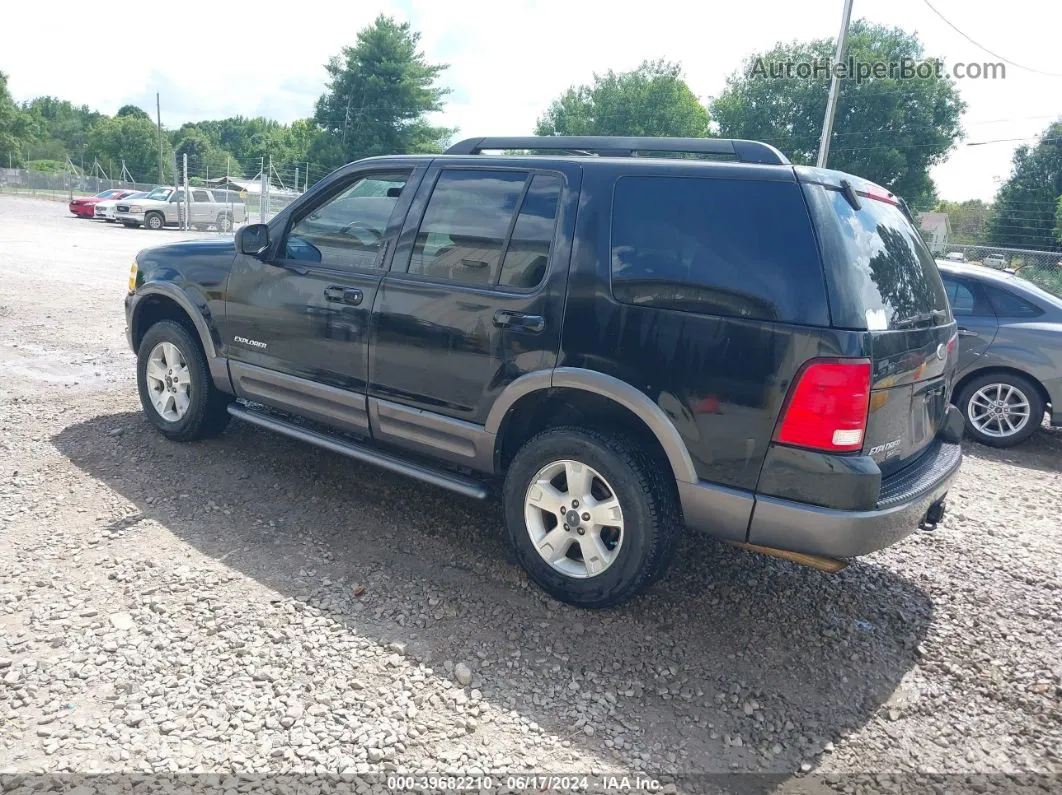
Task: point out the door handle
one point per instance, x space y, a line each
965 332
505 318
351 296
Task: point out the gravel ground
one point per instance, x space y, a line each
252 605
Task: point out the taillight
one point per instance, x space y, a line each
827 409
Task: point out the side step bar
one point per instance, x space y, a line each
436 477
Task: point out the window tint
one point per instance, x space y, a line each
966 299
720 246
348 230
200 196
177 197
527 255
879 272
465 225
1007 304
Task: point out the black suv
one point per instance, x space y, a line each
624 335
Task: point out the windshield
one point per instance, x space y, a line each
159 193
879 272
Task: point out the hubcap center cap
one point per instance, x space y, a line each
572 519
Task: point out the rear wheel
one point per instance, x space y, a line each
175 387
1001 409
590 517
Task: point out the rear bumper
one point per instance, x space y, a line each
904 502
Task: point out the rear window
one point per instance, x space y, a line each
879 273
738 248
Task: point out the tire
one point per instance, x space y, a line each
154 221
1015 390
647 512
205 413
224 223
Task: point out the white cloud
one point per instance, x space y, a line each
507 60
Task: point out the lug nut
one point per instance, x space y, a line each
586 517
567 528
581 530
575 504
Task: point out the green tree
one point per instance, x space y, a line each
1058 220
63 127
17 128
378 97
887 129
133 140
969 220
132 111
1026 205
650 100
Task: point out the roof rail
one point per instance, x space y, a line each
616 146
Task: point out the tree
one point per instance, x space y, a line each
1026 205
131 139
650 100
378 97
63 127
17 128
969 220
132 111
888 129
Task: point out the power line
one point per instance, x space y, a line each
951 25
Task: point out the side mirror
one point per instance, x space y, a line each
253 240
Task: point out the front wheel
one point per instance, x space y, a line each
1001 409
224 223
154 221
176 390
591 518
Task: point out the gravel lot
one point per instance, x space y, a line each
252 605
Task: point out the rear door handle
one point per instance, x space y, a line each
351 296
518 321
965 332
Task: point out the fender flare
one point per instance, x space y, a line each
176 294
608 386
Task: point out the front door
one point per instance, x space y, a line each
296 324
473 300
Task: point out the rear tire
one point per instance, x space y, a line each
594 563
195 408
987 422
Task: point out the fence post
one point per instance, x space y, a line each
296 179
187 196
262 195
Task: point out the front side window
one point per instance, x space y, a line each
347 231
738 248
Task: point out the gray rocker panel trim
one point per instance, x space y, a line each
453 440
326 404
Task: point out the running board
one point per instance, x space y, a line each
437 477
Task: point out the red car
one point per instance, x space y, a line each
84 207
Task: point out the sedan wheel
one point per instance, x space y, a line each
1001 409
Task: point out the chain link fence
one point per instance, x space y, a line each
1043 268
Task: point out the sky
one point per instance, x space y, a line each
509 58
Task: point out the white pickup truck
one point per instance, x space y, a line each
166 207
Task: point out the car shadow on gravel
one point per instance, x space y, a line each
736 662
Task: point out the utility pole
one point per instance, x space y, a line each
187 196
262 195
296 179
835 88
158 120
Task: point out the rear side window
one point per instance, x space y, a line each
527 256
1007 304
879 273
739 248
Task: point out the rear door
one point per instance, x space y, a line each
882 279
473 300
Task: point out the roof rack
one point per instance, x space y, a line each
610 146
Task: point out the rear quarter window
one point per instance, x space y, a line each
731 247
879 273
